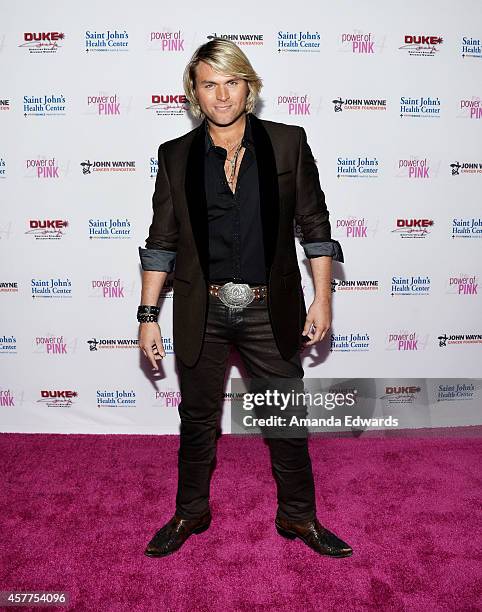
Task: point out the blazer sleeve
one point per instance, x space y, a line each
161 244
311 212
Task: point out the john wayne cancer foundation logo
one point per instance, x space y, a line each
465 168
358 285
5 104
96 344
241 39
359 104
42 42
169 104
421 45
8 287
446 340
88 166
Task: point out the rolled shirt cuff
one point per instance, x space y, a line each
332 248
157 260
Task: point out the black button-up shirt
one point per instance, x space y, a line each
236 250
235 229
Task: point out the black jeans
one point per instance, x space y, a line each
202 385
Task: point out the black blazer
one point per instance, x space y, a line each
289 189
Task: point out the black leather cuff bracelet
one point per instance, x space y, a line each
147 314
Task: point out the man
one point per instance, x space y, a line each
225 199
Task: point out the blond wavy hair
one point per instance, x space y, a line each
224 57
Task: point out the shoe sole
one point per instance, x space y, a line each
291 535
197 531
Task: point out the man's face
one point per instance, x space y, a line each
222 97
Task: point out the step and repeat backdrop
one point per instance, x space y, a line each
390 97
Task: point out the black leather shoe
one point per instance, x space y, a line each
315 536
174 533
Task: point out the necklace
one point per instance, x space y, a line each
233 161
228 149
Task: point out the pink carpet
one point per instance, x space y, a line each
78 511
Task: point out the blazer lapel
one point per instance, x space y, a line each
268 187
268 192
196 197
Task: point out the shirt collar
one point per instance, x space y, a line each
247 140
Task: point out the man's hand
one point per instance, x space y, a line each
150 341
318 316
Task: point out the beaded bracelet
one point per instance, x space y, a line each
147 318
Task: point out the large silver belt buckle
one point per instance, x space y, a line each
236 295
